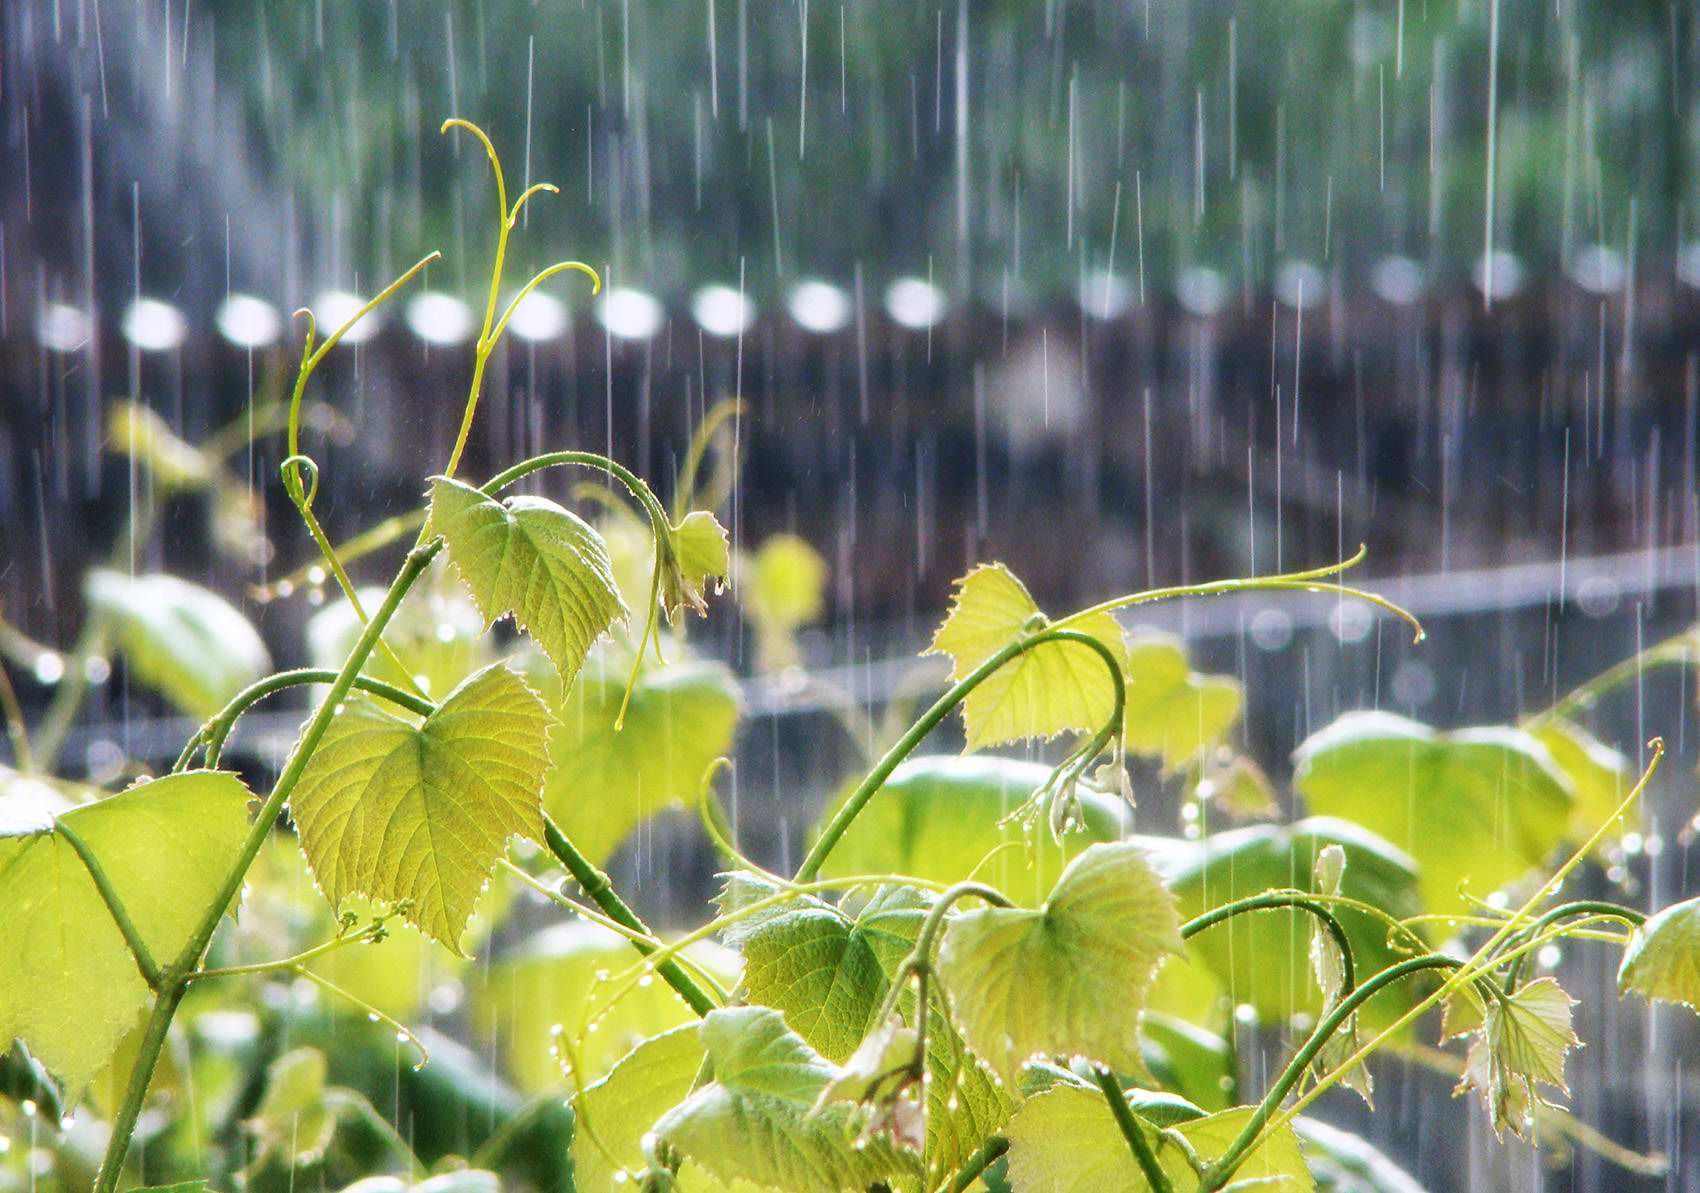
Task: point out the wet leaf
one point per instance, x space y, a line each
1050 689
416 815
1347 1163
1662 960
1477 808
529 557
293 1121
698 555
616 1112
1024 983
1173 712
1520 1046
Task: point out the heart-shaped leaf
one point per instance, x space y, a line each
416 814
1663 958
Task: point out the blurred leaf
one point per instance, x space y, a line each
529 557
603 782
1599 775
521 997
1263 956
940 817
1239 788
754 1120
416 815
437 634
1025 983
1520 1045
1053 688
1065 1140
1477 808
782 587
187 642
1195 1063
138 432
1173 712
68 984
1662 960
1347 1163
294 1122
699 553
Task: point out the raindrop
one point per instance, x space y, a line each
1597 596
248 322
915 303
1549 956
154 326
1271 629
722 311
1507 273
1351 622
1105 295
96 670
49 667
1398 280
439 318
819 306
629 314
1413 684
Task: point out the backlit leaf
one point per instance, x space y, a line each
619 1110
698 555
1663 958
416 815
529 557
1025 983
1520 1046
186 642
294 1121
1053 688
782 587
1172 711
1477 808
145 437
1600 776
68 984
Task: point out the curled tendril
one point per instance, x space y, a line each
290 470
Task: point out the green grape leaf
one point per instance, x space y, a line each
417 814
756 1119
1663 958
1195 1063
1346 1163
1172 712
437 635
529 557
1065 1140
1053 688
615 1113
69 987
604 782
697 554
1600 775
782 587
140 433
1520 1045
184 641
549 980
1263 957
1025 983
294 1121
1477 808
941 818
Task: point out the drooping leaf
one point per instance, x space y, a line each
754 1120
619 1110
187 642
148 439
416 814
1662 960
1263 957
1053 688
1065 1140
1328 966
1025 983
698 554
940 817
1599 775
868 1075
68 985
549 980
1346 1163
1477 808
529 557
1520 1046
604 782
782 587
1172 711
437 634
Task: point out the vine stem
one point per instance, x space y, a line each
174 978
929 720
1129 1127
1273 901
126 926
1677 649
990 1153
215 732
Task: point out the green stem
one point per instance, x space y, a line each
1268 902
126 926
215 732
1222 1171
301 958
635 484
1154 1174
990 1153
1563 911
942 708
173 979
601 892
1677 649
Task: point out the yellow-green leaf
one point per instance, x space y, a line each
1173 712
1037 983
1053 688
698 553
1663 958
1477 808
145 437
68 984
615 1113
182 640
1600 776
782 587
416 815
1520 1046
529 557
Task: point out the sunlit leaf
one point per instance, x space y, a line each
699 556
782 587
529 557
1053 688
1239 788
1662 961
68 985
1198 1064
1025 983
1065 1140
615 1113
1173 712
1599 775
186 642
1520 1046
416 815
941 818
603 782
754 1120
293 1121
145 437
1477 808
